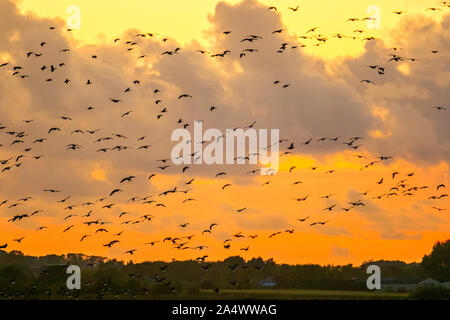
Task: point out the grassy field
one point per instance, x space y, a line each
299 294
251 294
235 294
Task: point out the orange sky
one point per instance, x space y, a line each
351 237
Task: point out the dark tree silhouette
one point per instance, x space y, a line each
437 264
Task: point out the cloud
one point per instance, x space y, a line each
339 251
418 132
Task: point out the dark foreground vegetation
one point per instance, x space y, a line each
28 277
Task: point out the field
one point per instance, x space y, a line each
289 294
244 294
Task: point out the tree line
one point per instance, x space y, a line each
28 277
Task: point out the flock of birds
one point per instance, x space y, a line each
21 143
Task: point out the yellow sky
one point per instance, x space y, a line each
187 20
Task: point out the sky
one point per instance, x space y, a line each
394 113
187 21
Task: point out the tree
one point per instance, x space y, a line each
437 263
